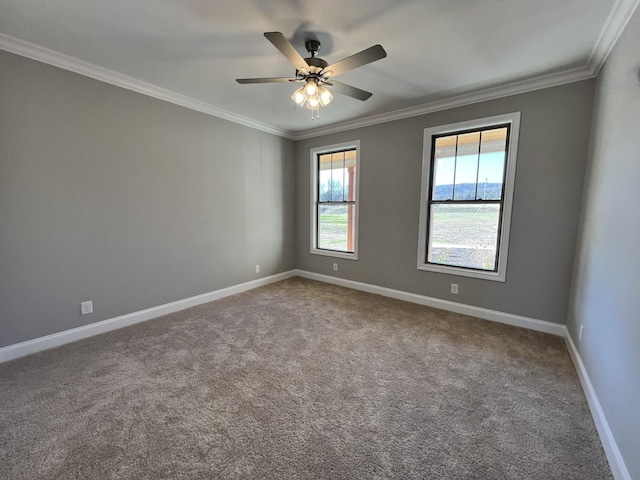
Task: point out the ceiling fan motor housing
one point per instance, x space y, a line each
316 64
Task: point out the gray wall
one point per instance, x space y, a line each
606 292
111 196
131 202
552 155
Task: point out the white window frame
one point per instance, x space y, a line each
500 274
315 153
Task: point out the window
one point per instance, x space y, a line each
334 200
468 174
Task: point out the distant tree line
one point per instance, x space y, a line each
335 191
467 191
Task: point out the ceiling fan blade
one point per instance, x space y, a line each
265 80
350 91
369 55
281 43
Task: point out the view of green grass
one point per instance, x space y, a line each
332 227
465 224
464 235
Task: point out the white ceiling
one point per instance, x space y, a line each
440 53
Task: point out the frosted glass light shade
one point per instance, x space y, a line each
324 96
313 103
299 97
313 96
311 88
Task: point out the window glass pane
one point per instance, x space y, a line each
467 166
324 178
444 167
336 227
464 235
492 159
337 176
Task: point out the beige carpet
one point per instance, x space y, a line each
300 380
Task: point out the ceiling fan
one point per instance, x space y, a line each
317 74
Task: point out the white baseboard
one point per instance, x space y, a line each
478 312
612 452
18 350
616 462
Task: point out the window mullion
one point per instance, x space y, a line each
455 168
478 165
317 219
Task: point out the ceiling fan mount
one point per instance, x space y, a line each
317 64
312 46
318 73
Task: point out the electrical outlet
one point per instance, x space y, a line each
580 332
335 267
257 268
454 288
86 307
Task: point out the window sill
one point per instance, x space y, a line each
463 272
331 253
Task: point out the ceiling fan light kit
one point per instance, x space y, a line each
313 96
317 74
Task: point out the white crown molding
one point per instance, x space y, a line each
28 347
56 59
619 16
492 93
72 64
